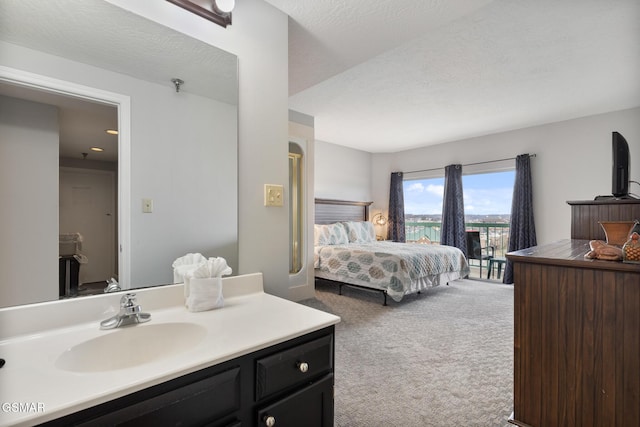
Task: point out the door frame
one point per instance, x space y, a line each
302 283
123 104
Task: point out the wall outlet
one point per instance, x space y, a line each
273 195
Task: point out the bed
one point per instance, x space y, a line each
346 252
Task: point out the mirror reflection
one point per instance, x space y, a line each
166 185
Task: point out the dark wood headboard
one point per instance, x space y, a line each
329 211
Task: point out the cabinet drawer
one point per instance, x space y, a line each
293 366
311 406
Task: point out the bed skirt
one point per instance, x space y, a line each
414 287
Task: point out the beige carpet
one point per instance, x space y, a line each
440 358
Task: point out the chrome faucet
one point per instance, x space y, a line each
129 314
112 286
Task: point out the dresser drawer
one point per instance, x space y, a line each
293 366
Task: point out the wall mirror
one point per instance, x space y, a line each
70 70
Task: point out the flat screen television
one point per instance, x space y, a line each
620 168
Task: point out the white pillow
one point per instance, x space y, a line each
329 234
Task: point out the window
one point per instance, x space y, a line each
488 195
423 209
487 207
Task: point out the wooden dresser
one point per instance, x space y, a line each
585 215
576 334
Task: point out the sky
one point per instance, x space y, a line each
484 194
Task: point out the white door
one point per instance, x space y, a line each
87 206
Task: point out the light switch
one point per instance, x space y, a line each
273 195
147 205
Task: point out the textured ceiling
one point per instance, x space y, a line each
385 76
98 33
82 124
103 35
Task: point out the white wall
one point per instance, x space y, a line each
342 173
259 37
183 151
28 202
573 162
185 170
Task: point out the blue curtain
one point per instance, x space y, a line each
453 229
522 233
396 209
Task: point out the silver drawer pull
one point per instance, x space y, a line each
269 420
303 367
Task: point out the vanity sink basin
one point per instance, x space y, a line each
131 346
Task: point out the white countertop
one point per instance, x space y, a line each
250 320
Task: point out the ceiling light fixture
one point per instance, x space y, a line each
111 131
224 6
177 83
98 149
218 11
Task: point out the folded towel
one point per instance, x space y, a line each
205 294
213 267
184 266
205 285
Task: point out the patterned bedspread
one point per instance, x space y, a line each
398 268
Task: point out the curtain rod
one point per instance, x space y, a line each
470 164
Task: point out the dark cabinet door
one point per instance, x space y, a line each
311 406
210 401
205 400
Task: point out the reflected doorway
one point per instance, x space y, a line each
88 207
81 173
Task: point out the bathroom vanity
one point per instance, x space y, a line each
233 393
258 361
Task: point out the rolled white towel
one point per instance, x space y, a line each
205 294
184 266
205 285
213 267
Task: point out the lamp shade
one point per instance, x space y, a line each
379 219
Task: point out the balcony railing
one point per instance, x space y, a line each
494 234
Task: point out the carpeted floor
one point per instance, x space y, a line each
440 358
